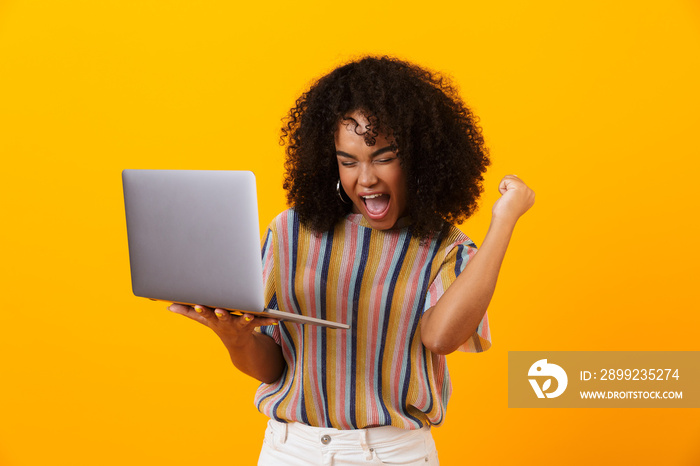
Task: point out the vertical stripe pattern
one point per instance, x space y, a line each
380 282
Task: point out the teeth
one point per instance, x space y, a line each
372 196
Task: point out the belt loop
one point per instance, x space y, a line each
365 446
280 431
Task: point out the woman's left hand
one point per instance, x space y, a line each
516 198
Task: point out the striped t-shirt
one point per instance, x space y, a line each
377 372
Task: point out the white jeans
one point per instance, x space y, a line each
298 444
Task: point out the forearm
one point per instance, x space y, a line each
457 314
258 356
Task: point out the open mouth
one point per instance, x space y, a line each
376 205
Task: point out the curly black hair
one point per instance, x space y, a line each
440 146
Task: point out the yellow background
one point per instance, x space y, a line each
594 104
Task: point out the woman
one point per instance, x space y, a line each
382 158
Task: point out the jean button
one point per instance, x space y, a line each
326 439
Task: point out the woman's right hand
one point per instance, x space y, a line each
234 331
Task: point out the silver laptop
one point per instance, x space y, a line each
194 239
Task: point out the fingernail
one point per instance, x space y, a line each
219 313
198 309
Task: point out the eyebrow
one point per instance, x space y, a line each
374 154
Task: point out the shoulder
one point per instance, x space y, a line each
450 245
286 227
451 237
283 220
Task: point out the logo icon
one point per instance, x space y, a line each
543 369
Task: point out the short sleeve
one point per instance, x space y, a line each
453 264
268 262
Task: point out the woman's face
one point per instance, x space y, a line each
371 176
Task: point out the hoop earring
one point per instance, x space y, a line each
341 194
